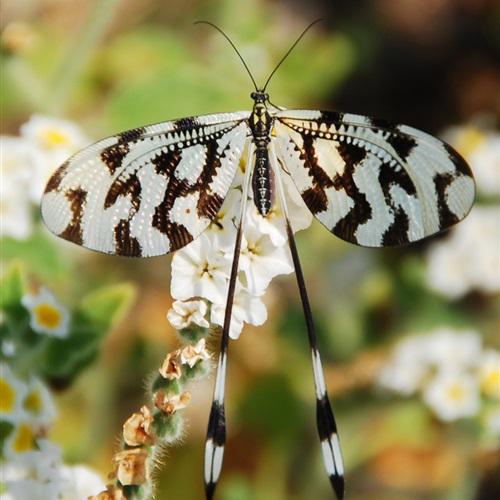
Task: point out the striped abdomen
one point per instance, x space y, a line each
262 181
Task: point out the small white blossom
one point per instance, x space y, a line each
47 314
222 230
452 349
405 370
191 354
199 270
453 395
17 160
182 314
12 394
21 442
38 403
260 259
489 373
481 148
469 259
8 348
247 308
55 140
79 482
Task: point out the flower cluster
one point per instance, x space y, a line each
200 271
27 161
146 432
451 371
469 258
31 464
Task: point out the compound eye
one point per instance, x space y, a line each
253 95
266 97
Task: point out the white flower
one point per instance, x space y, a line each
260 259
15 208
191 354
482 150
452 349
199 270
183 314
38 403
79 482
405 371
47 314
247 308
55 140
8 348
453 395
489 373
21 441
222 230
469 259
12 394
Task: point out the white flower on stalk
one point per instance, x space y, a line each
260 259
12 394
469 259
489 373
452 349
192 354
55 140
247 308
199 270
47 314
38 403
222 230
481 148
453 395
182 314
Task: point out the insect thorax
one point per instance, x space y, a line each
261 123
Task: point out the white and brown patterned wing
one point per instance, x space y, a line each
371 182
148 191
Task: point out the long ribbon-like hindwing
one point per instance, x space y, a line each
327 429
216 432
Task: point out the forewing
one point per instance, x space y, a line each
148 191
371 182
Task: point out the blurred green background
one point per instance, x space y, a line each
111 65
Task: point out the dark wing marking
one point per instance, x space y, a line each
148 191
371 182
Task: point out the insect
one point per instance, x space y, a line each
152 190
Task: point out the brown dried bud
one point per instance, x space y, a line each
131 466
170 404
138 429
171 367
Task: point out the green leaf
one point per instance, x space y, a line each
106 306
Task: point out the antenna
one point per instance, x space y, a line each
290 50
234 47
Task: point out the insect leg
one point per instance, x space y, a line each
216 432
327 429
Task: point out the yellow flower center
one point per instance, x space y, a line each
491 383
7 396
24 439
469 140
47 315
33 402
52 138
456 393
